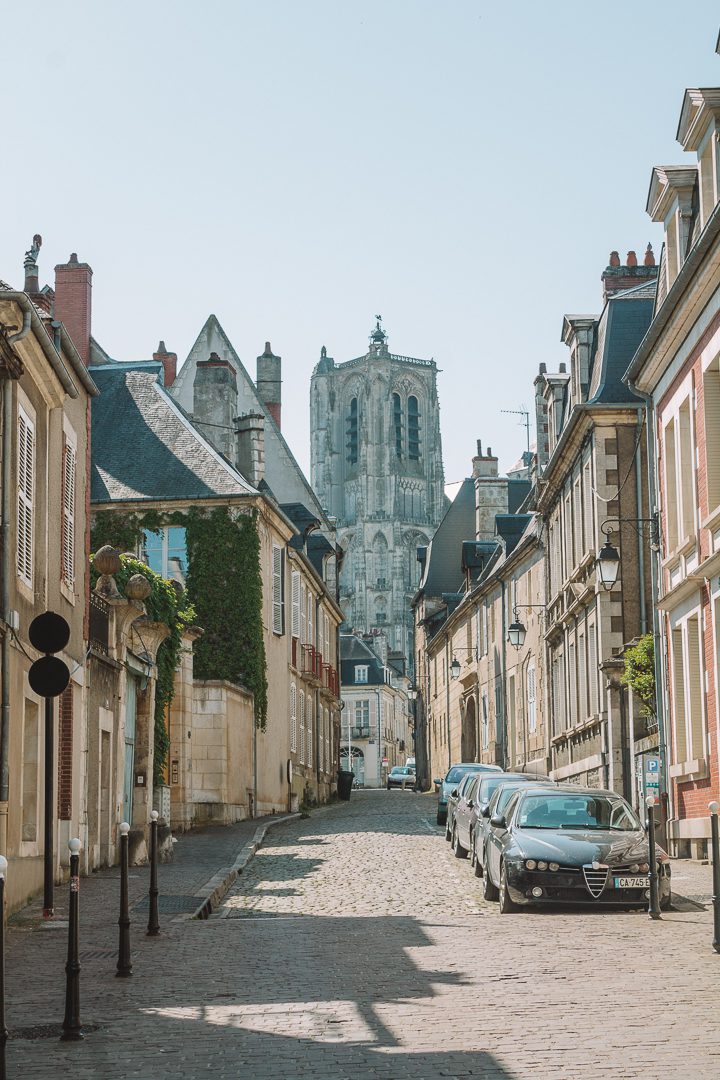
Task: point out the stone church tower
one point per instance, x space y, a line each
376 466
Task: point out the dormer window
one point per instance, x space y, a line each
670 201
361 674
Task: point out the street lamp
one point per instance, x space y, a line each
455 668
608 564
517 630
607 561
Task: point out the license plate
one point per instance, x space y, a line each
632 882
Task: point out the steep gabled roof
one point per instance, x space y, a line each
144 446
623 324
443 568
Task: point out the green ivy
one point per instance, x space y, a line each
639 673
224 584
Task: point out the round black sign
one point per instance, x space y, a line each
49 632
48 676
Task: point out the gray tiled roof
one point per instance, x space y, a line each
145 447
623 325
443 568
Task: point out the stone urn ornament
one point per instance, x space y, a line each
138 588
106 561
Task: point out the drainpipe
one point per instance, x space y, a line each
658 636
641 546
501 720
447 698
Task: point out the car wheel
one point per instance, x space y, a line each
507 905
458 850
475 861
489 890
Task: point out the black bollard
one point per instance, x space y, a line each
3 1028
124 964
153 922
654 908
71 1023
713 808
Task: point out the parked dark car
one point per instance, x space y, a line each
498 801
401 776
569 845
451 780
471 804
457 796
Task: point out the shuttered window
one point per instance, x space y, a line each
293 718
592 669
277 590
532 709
711 407
68 525
695 689
310 606
309 733
679 696
295 604
303 614
26 492
302 728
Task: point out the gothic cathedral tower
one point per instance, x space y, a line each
376 466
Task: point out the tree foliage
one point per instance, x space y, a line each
639 673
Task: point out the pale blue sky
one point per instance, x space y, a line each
295 166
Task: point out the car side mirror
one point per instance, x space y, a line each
498 821
485 810
454 793
437 782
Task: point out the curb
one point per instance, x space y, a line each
216 889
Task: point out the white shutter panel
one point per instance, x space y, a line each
302 728
309 725
277 589
68 532
327 638
26 483
532 715
310 606
303 615
295 604
293 717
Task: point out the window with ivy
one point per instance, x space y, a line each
165 552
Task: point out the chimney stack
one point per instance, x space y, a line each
73 302
268 382
215 402
32 280
169 363
250 446
616 277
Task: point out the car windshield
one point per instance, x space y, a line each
400 770
456 773
488 784
576 812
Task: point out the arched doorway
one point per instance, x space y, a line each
468 740
358 763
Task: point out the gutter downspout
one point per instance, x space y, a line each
447 698
641 547
7 428
502 719
658 636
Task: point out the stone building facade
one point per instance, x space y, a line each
376 465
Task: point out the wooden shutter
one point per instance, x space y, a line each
303 613
678 696
302 728
295 604
592 669
532 713
309 729
68 525
293 717
277 592
310 606
26 491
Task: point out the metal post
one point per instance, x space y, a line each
713 808
654 908
3 1028
153 922
71 1023
48 854
124 963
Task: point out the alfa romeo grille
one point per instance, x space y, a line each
595 880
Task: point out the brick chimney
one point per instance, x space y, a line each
250 446
73 302
215 402
169 363
268 382
616 277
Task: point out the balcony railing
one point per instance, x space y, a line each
99 629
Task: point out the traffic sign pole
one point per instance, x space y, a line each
48 853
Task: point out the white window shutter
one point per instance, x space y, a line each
309 725
532 716
277 592
68 530
293 717
303 614
302 728
295 604
25 485
310 606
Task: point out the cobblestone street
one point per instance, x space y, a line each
354 945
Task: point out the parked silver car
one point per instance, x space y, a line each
449 783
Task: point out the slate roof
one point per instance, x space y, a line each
145 447
443 570
355 651
623 324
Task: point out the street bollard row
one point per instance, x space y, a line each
71 1025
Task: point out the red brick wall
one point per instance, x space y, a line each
73 303
65 755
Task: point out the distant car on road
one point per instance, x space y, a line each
449 783
569 845
401 776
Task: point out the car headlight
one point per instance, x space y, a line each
542 865
530 864
554 866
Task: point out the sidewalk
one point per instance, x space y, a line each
692 880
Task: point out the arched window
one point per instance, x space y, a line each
380 561
413 429
397 424
352 426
